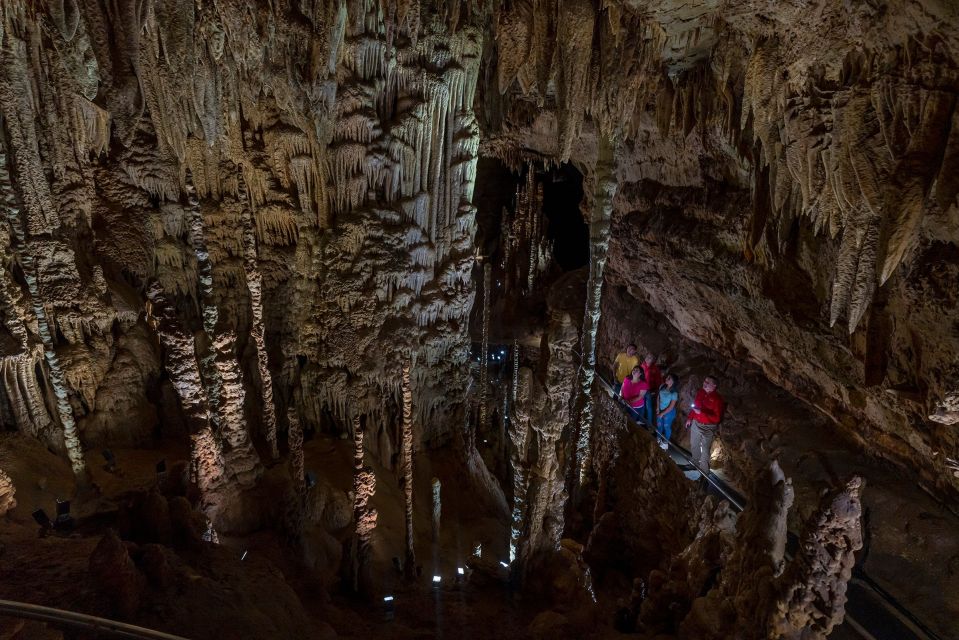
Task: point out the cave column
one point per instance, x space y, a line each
294 440
409 566
484 351
254 283
604 189
364 517
221 371
206 456
519 434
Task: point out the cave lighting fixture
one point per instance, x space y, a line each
505 565
461 571
437 579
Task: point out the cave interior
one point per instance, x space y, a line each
314 319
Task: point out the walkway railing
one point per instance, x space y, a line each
102 627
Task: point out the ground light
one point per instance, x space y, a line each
437 579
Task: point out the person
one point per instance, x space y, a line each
654 378
634 392
623 365
703 422
667 398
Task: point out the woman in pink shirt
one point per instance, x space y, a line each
634 392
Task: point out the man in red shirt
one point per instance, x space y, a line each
704 418
654 378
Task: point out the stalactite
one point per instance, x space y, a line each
574 42
18 370
507 244
535 204
407 468
19 226
254 283
604 189
484 349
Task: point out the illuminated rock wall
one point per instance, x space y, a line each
296 177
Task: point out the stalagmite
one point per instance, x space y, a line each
521 415
294 437
813 589
604 189
206 456
364 517
254 283
437 510
406 467
548 407
211 374
484 349
221 371
7 493
515 382
25 248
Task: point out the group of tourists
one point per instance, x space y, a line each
654 399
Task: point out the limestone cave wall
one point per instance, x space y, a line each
294 179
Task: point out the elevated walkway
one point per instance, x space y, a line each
872 613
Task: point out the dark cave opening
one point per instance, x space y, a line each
569 233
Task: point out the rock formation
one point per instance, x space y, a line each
7 493
599 220
543 411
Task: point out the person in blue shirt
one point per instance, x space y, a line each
666 410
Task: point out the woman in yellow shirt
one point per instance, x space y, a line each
623 366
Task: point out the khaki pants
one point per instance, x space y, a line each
701 438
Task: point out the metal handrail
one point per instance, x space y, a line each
82 621
725 490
